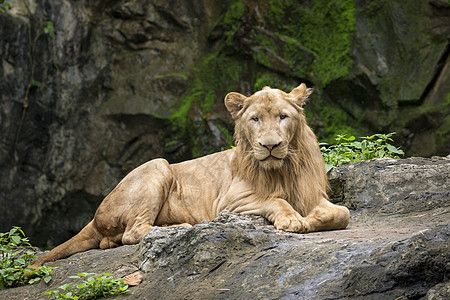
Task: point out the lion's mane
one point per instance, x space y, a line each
302 179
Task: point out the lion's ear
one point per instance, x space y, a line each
300 94
234 103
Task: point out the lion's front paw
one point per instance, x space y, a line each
292 223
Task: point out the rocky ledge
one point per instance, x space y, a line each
397 246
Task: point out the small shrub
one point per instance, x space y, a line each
15 255
347 149
93 286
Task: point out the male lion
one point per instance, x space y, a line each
275 171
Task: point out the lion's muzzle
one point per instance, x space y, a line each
270 152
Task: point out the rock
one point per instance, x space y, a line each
86 104
195 247
407 267
440 291
405 100
397 246
392 186
91 90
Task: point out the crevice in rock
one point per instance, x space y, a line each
438 70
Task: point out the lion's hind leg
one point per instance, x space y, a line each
148 196
109 242
328 216
134 234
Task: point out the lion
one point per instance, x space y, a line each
276 171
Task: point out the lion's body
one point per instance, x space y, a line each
276 171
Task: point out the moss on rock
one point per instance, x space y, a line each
259 44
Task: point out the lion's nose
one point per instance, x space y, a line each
270 147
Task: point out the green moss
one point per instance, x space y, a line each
277 11
315 40
264 78
443 134
328 31
183 76
266 46
214 72
298 56
215 75
335 122
447 101
310 40
234 14
317 36
232 19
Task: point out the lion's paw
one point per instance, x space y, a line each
292 223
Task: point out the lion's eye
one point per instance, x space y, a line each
255 119
283 116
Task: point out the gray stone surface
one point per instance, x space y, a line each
82 107
397 246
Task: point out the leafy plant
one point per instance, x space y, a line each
347 149
15 256
50 29
93 286
5 6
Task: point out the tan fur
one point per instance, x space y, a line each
276 171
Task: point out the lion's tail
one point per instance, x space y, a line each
87 238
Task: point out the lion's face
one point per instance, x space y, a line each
269 124
268 120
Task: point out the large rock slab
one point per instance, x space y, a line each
90 90
392 186
397 246
237 257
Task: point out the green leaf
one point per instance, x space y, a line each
64 286
10 277
36 83
85 274
30 252
47 279
20 261
34 280
16 239
328 167
393 149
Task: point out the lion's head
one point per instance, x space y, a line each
268 123
277 153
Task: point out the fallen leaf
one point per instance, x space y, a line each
133 279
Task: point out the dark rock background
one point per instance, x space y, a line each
91 89
397 246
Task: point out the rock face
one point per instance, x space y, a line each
91 89
86 101
235 257
396 247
